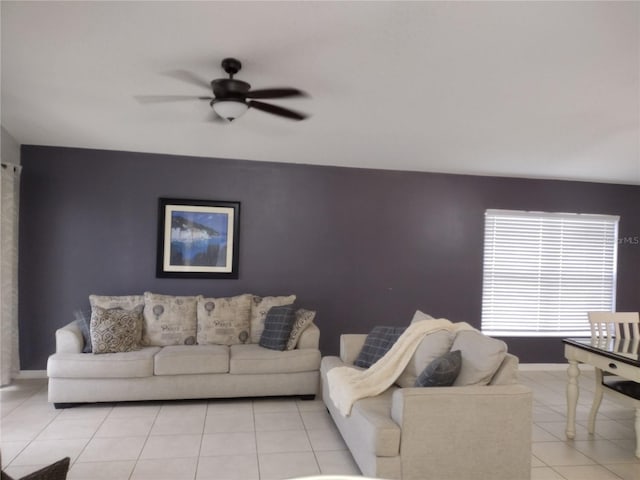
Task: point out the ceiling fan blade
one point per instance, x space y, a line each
189 77
167 98
276 93
283 112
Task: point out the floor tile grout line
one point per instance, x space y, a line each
30 441
255 437
306 431
89 441
155 419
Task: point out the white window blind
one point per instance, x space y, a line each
544 271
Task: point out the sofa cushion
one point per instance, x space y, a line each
169 320
110 365
128 302
252 358
377 343
224 321
481 357
115 329
192 359
304 318
432 346
277 327
259 308
442 371
370 425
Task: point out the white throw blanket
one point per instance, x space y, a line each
348 384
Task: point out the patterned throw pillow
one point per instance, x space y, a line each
442 371
169 320
224 321
304 318
128 302
259 308
377 343
83 320
277 327
115 329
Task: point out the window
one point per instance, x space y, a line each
544 271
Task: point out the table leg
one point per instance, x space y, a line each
597 400
638 432
572 397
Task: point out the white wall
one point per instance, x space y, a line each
9 148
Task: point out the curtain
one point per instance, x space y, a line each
9 197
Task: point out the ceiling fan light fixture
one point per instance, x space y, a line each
229 109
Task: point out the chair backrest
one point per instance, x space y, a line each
614 324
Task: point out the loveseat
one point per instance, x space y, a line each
189 347
478 428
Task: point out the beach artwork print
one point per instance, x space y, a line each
199 239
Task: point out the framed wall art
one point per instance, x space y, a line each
198 238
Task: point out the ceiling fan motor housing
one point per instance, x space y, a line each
230 89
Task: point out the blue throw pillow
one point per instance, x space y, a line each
378 342
442 371
277 327
83 320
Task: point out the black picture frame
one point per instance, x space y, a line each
198 238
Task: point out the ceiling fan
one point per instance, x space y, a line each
232 98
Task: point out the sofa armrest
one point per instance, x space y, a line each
350 346
310 337
507 373
69 339
490 427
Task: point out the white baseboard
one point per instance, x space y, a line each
532 367
28 374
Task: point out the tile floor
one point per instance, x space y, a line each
271 439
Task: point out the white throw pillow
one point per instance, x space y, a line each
169 320
224 321
481 357
419 316
126 302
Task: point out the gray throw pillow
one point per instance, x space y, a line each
378 342
277 327
432 346
442 371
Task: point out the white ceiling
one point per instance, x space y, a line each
524 89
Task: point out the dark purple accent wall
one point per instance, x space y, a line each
362 247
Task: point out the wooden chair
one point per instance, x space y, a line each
614 324
621 330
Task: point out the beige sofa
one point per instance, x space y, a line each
180 371
456 433
226 360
